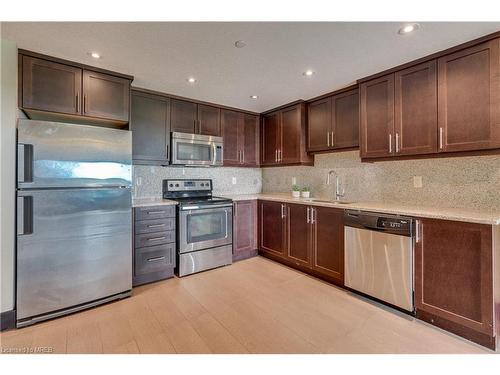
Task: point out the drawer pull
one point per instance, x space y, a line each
156 225
156 238
156 259
155 212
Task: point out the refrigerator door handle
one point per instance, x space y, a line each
24 162
24 215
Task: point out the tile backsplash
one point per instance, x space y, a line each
461 182
148 179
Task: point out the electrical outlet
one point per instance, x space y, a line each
417 181
233 180
294 180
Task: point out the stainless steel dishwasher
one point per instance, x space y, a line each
378 253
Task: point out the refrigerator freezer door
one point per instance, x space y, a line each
52 154
78 248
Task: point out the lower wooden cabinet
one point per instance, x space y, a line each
154 244
244 229
454 278
309 238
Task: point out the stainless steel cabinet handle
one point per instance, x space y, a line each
397 142
440 138
156 259
156 238
417 231
155 212
156 225
328 139
332 143
282 211
308 213
390 143
280 158
84 103
276 156
242 156
313 215
77 103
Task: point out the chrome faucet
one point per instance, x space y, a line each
339 193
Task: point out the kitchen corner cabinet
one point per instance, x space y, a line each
309 238
240 132
244 229
150 124
333 122
283 137
52 89
194 118
454 278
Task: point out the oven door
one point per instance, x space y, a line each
205 228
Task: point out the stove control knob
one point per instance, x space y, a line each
171 185
176 185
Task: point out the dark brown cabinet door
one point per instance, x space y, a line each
183 115
328 242
453 274
49 86
319 125
231 122
345 120
208 120
416 110
377 117
291 129
272 217
150 126
105 96
469 98
250 142
298 234
270 138
244 228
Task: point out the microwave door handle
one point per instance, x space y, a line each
214 151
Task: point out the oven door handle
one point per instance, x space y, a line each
227 224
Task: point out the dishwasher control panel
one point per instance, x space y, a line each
379 222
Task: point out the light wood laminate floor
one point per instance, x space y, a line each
253 306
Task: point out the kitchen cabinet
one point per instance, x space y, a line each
105 96
272 227
55 89
453 277
377 117
333 122
310 238
244 229
283 137
415 127
240 133
328 242
193 118
149 122
469 98
154 244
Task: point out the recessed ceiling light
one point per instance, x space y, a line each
95 55
191 80
308 73
254 97
240 44
406 29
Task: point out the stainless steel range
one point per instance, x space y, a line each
204 226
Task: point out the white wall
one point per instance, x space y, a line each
8 109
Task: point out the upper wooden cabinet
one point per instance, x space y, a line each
283 137
455 256
57 89
333 122
469 98
150 124
190 117
240 133
450 103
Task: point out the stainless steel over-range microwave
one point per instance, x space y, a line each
196 150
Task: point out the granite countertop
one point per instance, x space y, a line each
458 214
145 202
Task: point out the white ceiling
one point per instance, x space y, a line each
162 55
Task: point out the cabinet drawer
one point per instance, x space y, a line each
152 239
155 212
151 226
154 258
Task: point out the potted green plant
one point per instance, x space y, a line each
295 191
306 192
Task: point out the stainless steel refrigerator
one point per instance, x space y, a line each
74 238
